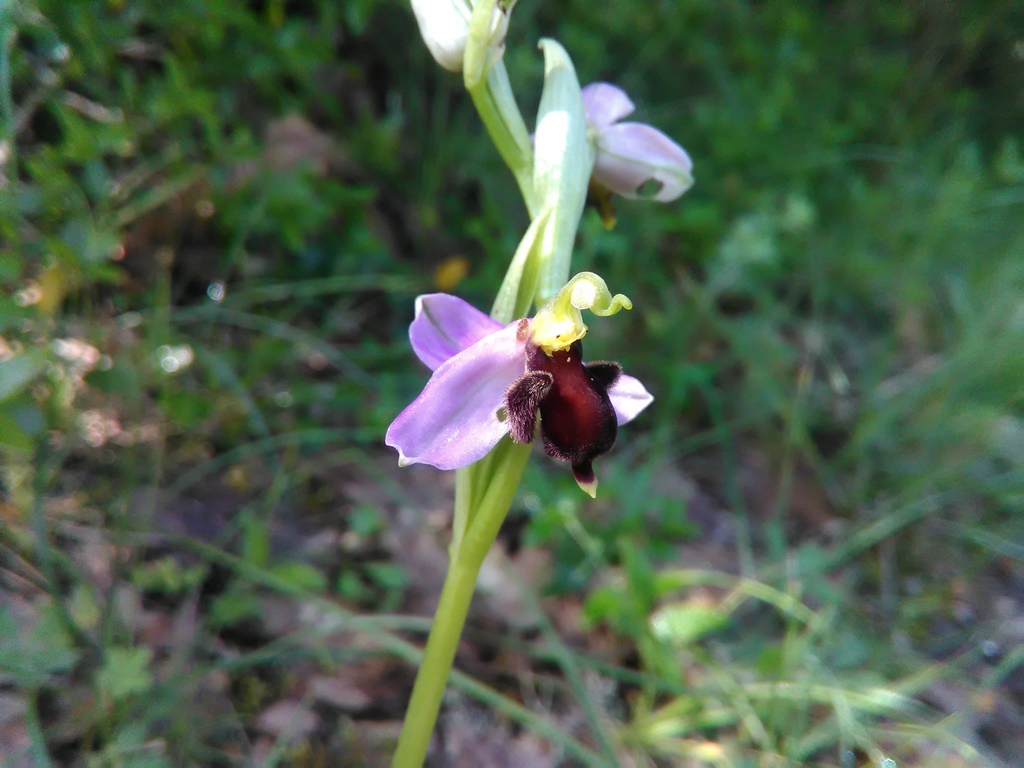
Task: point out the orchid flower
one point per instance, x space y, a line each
492 379
633 159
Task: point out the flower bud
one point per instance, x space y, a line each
444 25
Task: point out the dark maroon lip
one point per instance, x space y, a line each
577 420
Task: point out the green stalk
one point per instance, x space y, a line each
453 606
496 105
484 490
464 480
437 661
486 79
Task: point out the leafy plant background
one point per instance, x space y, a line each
215 217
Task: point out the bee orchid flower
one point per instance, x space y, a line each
492 379
633 159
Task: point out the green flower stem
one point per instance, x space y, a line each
464 480
500 114
484 490
509 462
481 531
437 661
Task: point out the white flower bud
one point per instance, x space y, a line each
444 25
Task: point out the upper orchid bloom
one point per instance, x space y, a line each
491 380
444 25
633 159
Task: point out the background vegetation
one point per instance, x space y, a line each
215 216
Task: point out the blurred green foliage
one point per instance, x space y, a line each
215 216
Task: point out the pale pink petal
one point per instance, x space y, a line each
445 325
632 155
603 104
629 397
454 421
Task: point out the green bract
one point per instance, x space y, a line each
563 161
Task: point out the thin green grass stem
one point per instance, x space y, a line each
570 662
380 628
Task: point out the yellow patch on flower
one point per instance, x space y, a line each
560 323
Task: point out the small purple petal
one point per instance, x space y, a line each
629 397
631 155
445 325
454 421
604 104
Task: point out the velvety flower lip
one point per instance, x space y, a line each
633 157
455 420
